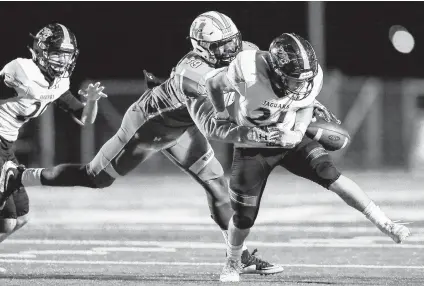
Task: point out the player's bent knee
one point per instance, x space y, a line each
7 225
242 221
327 173
211 171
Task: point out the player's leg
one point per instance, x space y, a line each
15 213
354 196
311 161
193 154
133 143
250 170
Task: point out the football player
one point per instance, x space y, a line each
279 87
159 121
28 87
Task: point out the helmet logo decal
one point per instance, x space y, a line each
44 34
197 32
282 55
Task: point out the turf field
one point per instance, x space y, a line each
149 230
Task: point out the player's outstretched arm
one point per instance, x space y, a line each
80 112
202 112
92 93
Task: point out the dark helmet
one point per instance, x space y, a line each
294 65
55 50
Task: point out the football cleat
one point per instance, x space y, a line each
252 264
231 271
7 188
395 230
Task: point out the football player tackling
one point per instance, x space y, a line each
28 87
159 121
279 86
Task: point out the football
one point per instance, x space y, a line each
330 135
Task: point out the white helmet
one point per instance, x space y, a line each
215 38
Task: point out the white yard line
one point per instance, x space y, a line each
136 263
210 226
358 242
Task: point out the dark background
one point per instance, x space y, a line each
117 40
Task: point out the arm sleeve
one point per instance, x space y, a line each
69 103
202 113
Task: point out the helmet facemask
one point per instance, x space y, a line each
294 66
61 63
54 57
222 52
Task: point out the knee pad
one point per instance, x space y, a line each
243 222
327 173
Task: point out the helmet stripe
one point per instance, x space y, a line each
225 29
66 37
216 21
226 24
303 53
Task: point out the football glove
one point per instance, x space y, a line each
320 111
267 135
93 92
289 138
223 115
151 80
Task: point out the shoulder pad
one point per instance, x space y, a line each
193 67
249 46
23 70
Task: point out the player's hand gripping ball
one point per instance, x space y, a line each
330 135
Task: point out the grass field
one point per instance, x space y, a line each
149 230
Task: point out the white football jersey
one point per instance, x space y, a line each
255 103
33 95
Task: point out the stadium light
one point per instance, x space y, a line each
401 39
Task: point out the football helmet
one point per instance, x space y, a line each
215 38
54 50
294 65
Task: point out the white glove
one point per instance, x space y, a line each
289 138
223 115
322 112
264 135
93 92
